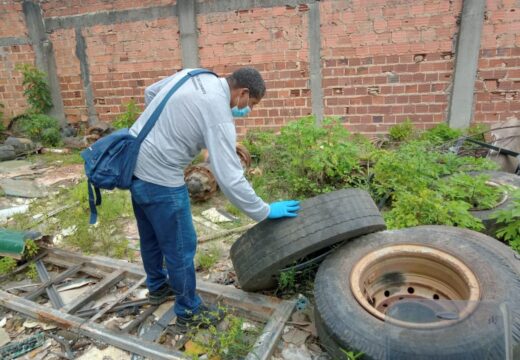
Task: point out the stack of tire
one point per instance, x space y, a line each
429 292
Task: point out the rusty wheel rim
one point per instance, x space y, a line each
426 276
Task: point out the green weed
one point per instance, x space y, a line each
352 355
31 249
36 88
509 222
287 280
127 119
232 209
32 273
231 343
402 131
42 128
206 258
7 265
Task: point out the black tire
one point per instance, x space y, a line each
500 178
342 323
325 220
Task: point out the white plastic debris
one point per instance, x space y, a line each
214 216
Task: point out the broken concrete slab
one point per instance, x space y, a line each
22 188
110 352
4 337
15 166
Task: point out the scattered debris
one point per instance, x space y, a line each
55 151
109 353
292 352
206 223
4 337
506 135
215 216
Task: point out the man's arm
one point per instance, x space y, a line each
221 144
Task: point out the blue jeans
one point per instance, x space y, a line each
167 234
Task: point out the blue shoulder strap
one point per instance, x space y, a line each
155 115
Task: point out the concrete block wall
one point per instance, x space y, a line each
381 61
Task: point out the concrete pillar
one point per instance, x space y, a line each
461 105
81 54
45 60
188 32
315 61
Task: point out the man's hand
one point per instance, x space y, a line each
282 209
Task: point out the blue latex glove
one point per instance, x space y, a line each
282 209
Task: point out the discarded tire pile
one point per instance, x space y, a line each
429 292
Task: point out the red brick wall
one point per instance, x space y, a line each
274 41
386 61
497 95
69 74
123 62
382 61
12 24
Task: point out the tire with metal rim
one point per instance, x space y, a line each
262 252
496 178
430 292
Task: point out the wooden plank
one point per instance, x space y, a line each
116 301
51 291
62 276
95 292
266 343
92 330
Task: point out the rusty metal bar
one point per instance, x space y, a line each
118 300
85 313
51 291
62 276
139 319
92 330
266 343
93 293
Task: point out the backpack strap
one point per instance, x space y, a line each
155 115
93 201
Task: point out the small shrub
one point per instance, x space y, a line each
287 280
36 88
509 221
401 132
32 273
7 265
471 189
310 159
429 207
127 119
230 343
31 249
441 133
42 128
2 126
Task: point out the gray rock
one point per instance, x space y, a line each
7 152
21 145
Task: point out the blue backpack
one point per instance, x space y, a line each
110 161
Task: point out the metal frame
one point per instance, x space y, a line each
271 311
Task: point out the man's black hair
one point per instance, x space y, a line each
248 77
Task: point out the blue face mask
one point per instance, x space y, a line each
236 112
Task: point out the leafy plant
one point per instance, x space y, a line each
233 342
31 249
127 119
260 144
206 258
287 280
32 273
7 265
2 126
40 127
402 131
508 220
441 133
311 160
429 207
352 355
471 189
36 88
